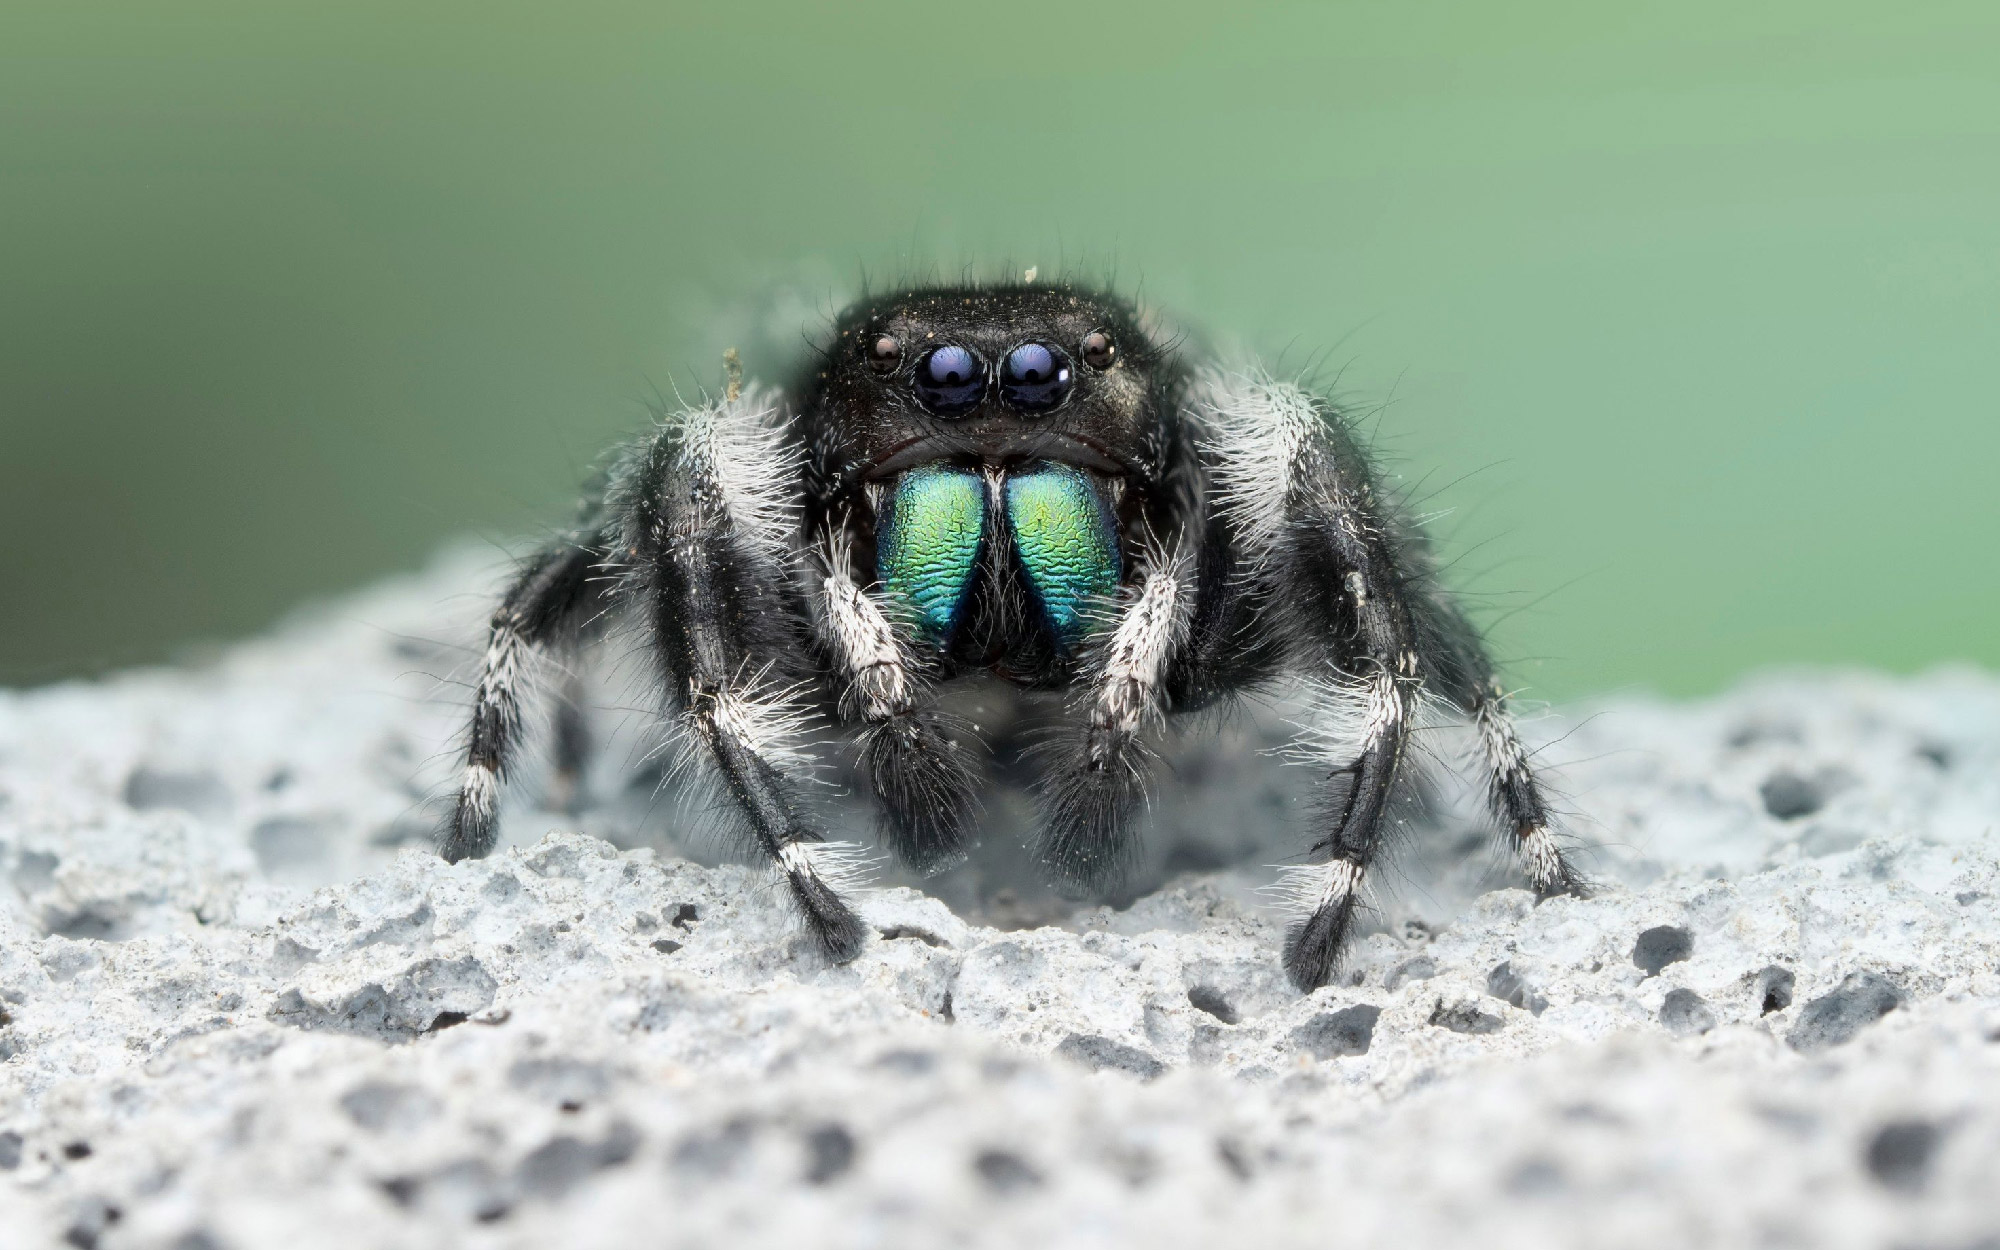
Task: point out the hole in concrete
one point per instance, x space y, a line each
1789 795
1937 753
1005 1172
907 1062
1662 945
1465 1018
1833 1019
1774 989
284 845
830 1151
199 793
560 1164
1900 1153
35 871
1685 1012
1209 999
1101 1054
1416 968
1332 1034
714 1153
1508 986
380 1105
1232 1158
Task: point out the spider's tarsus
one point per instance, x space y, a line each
1313 947
835 929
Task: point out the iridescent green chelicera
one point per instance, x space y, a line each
1067 541
927 546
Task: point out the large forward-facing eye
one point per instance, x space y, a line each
1035 377
950 380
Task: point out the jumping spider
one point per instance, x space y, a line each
1017 483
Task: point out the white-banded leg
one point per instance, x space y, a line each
709 506
1360 736
926 784
1515 796
1297 495
1095 774
546 609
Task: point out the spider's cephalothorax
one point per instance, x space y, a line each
1015 483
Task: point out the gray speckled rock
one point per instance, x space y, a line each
241 1005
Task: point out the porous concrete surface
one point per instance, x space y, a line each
242 1005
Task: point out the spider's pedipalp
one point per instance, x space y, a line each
1096 770
925 782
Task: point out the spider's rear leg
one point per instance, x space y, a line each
708 505
548 608
1096 774
573 743
1515 795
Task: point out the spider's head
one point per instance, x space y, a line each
993 376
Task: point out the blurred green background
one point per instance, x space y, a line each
1688 310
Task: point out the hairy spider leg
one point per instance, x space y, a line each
709 507
1336 543
1461 671
548 609
572 745
1298 492
926 784
1515 797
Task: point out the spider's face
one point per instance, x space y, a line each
990 378
992 447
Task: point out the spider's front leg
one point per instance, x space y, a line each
709 508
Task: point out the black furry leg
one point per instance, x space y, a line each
548 606
1328 894
572 741
708 518
1357 801
1463 673
793 844
1300 504
1516 799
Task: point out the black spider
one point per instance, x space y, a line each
1017 483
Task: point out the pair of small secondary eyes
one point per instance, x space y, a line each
1034 376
